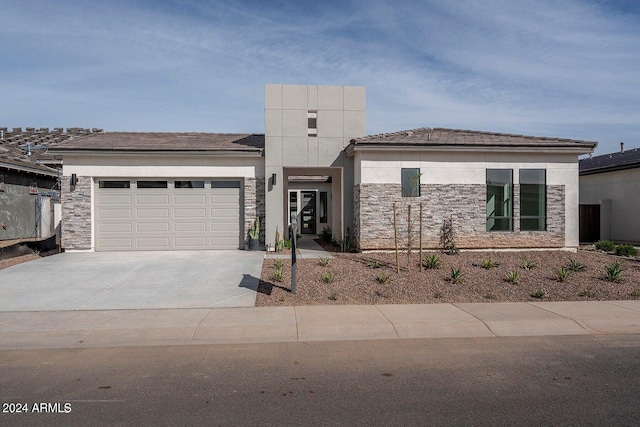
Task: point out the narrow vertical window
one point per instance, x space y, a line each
533 200
499 200
312 123
410 178
324 209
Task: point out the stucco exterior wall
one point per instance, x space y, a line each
340 118
620 188
453 184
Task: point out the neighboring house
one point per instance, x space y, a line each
163 191
29 182
610 197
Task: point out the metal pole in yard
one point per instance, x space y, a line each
420 260
395 235
294 228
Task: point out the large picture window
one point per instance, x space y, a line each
533 200
499 200
410 178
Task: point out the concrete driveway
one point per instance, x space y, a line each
133 280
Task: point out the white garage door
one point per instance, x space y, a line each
174 214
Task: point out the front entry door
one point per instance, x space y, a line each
308 214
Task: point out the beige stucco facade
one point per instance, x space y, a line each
619 198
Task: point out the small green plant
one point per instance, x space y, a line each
278 274
489 264
456 275
278 241
333 296
605 245
278 263
562 274
513 277
432 262
287 243
324 261
328 277
326 234
540 294
575 266
438 295
382 278
635 293
626 250
589 293
490 296
613 272
528 265
254 229
373 264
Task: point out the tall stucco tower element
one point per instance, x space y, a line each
307 173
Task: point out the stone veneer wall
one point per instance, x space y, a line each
464 203
254 206
76 213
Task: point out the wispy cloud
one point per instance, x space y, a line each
558 68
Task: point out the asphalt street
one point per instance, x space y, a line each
551 380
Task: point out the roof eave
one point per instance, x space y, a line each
583 149
610 169
24 168
111 151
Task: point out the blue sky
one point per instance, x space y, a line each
567 68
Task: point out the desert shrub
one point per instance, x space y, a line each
527 264
513 277
575 266
278 263
328 277
456 275
562 274
277 275
326 234
324 261
626 250
489 264
373 264
333 296
432 262
540 294
382 278
613 272
605 245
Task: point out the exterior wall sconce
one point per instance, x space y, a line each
74 180
273 179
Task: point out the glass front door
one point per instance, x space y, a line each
308 213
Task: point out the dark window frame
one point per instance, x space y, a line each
113 184
410 182
499 223
526 197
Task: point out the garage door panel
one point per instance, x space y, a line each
190 227
148 227
117 227
152 213
169 218
190 199
190 242
152 199
107 213
189 213
119 243
115 199
152 242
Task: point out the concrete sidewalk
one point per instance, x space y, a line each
118 328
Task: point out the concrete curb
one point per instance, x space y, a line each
130 328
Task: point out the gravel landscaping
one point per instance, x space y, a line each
371 278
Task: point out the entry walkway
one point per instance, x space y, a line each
307 248
117 328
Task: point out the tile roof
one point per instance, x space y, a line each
457 137
28 149
627 159
158 141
